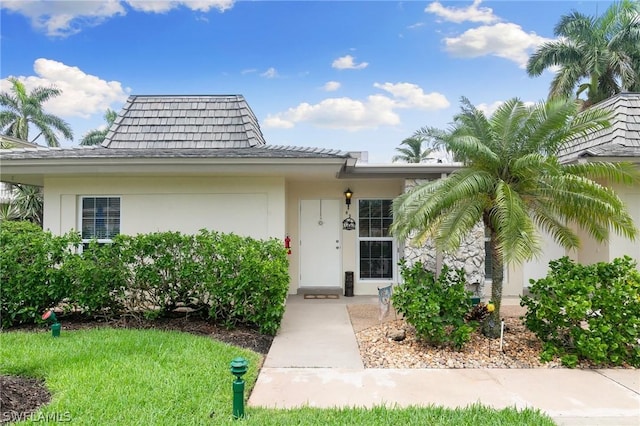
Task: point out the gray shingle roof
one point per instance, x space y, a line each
216 127
178 122
99 152
612 150
622 139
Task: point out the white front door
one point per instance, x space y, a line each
320 246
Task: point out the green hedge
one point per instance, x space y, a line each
232 279
31 275
589 312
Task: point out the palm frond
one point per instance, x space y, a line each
573 25
547 221
505 122
592 206
423 203
414 151
458 221
623 172
94 137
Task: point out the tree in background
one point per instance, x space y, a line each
411 150
96 136
20 109
28 203
513 183
604 51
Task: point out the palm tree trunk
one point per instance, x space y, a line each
491 326
34 139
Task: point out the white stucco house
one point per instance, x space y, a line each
183 163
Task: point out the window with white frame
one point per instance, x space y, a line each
376 245
100 218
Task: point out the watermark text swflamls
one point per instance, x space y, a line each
17 416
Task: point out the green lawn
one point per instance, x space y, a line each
149 377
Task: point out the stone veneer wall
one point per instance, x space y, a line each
469 257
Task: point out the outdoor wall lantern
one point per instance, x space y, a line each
348 224
347 197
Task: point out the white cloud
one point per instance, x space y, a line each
505 40
162 6
347 63
340 113
489 109
277 122
409 95
65 18
248 71
472 13
331 86
62 18
416 25
352 114
270 73
82 94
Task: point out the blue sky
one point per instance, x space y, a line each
355 76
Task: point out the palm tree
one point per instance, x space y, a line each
413 153
8 212
602 50
28 203
513 183
23 109
96 136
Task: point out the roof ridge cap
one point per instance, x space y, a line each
318 150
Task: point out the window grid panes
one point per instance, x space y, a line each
100 218
375 218
376 245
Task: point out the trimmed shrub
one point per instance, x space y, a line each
97 280
436 307
31 277
589 312
246 280
166 271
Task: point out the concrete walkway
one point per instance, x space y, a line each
316 333
314 361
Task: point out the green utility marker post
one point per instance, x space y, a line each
55 325
238 369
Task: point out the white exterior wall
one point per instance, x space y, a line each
620 246
246 206
537 268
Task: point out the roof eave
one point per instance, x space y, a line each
34 171
407 171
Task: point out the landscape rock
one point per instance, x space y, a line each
398 335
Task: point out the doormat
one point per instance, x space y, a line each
321 296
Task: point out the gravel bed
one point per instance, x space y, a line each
520 349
